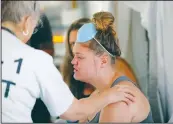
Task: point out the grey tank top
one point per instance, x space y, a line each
149 119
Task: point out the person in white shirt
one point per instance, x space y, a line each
24 78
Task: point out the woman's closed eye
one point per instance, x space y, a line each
79 57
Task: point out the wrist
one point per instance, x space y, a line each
107 97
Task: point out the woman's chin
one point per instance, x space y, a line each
77 77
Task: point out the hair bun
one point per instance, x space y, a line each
103 20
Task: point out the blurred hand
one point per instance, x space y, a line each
122 93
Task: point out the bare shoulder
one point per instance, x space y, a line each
117 112
121 112
141 107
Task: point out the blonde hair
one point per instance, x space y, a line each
103 21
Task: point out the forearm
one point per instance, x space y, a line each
93 104
82 108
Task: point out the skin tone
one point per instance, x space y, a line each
98 71
72 38
119 65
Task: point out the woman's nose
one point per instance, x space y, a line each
74 61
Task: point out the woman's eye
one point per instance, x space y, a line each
80 57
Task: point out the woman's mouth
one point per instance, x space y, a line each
75 70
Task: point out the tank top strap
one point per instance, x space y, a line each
121 78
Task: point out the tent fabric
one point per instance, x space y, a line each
157 18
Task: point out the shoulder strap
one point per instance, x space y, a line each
122 78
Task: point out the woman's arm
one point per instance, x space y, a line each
121 112
80 109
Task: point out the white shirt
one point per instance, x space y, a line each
33 75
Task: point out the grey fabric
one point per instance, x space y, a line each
171 119
157 18
160 23
153 79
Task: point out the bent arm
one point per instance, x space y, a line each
60 101
82 108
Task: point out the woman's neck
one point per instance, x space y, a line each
9 26
105 79
13 28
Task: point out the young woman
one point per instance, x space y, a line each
95 53
78 88
81 89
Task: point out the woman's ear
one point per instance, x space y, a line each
24 24
104 60
26 28
29 25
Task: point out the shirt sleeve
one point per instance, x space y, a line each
53 90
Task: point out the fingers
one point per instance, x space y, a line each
127 89
123 93
127 101
130 97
